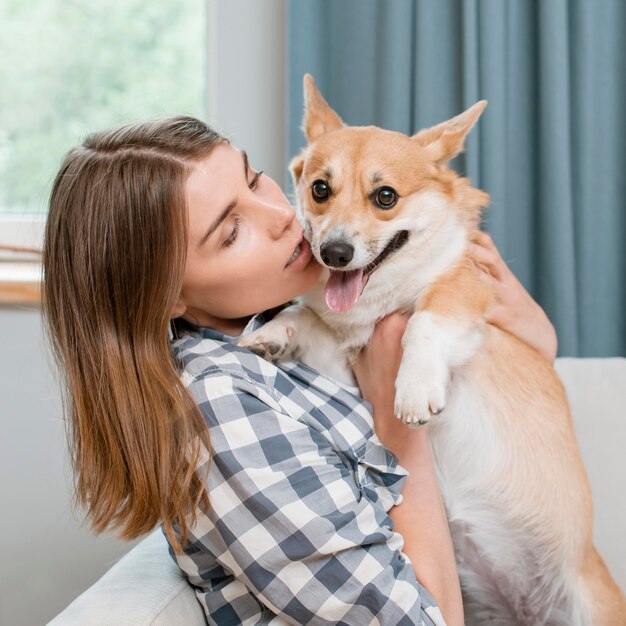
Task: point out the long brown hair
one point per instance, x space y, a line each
114 257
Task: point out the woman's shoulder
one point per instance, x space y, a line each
234 388
217 370
202 354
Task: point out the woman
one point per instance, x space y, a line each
296 515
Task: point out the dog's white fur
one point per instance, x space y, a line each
517 497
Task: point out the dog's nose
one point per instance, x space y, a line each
337 253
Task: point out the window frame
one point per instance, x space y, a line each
21 235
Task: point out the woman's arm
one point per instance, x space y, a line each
290 523
421 517
515 310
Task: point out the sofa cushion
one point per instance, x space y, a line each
143 588
596 389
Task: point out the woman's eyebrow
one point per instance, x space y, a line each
231 205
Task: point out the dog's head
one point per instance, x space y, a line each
363 192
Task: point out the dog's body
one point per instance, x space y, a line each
516 493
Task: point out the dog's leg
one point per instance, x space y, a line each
606 598
444 333
278 338
433 345
298 332
292 332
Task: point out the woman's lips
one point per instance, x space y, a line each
303 258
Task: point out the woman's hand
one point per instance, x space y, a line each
376 369
515 311
378 362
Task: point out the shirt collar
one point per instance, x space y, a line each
256 321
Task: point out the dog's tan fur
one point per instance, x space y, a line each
516 492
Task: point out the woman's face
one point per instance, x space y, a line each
242 239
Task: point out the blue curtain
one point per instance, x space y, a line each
550 148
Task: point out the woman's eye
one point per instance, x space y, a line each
320 190
233 236
385 198
255 181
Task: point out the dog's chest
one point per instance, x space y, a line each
467 457
354 329
504 571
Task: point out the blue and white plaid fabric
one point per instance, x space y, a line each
299 487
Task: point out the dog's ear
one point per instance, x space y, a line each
319 118
296 166
444 141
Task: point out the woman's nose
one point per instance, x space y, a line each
279 217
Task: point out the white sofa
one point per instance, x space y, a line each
146 588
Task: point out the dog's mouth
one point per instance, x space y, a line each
343 288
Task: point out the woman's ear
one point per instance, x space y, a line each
319 118
179 310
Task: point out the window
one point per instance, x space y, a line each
75 66
69 67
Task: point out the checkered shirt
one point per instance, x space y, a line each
299 488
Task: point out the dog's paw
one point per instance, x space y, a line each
271 341
420 393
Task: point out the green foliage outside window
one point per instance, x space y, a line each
69 67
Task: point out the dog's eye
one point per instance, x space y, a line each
385 198
320 190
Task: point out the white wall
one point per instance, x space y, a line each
46 557
247 76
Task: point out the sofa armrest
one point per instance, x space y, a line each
596 390
145 587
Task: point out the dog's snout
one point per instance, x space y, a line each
337 253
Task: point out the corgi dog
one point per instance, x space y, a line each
391 223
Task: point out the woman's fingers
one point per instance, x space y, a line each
482 237
486 260
499 315
514 309
377 364
392 327
489 258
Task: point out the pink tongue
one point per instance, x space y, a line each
343 289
